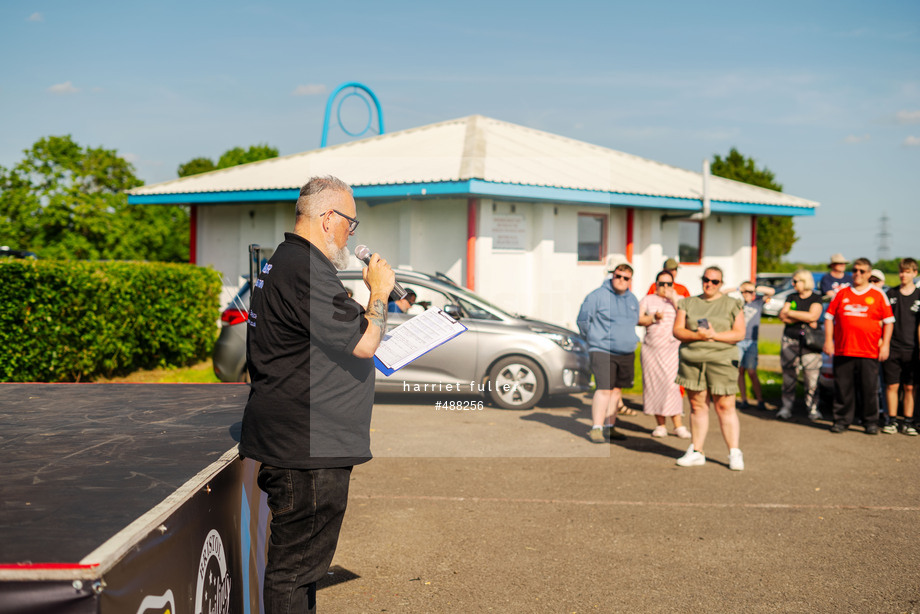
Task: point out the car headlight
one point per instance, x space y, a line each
569 343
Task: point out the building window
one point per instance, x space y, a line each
690 242
592 237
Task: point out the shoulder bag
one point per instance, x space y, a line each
813 339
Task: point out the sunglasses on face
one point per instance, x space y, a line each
667 284
714 282
352 222
860 271
623 277
747 292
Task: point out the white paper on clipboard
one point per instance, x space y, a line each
414 338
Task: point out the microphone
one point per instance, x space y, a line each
364 254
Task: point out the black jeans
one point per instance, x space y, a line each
307 508
851 376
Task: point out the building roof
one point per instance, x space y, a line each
476 155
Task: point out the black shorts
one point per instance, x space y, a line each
901 368
613 370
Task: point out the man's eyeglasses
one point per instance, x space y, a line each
860 271
665 283
623 277
352 222
714 282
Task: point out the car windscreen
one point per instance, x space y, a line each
432 294
463 294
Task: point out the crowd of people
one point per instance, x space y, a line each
706 347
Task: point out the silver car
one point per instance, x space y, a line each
783 290
511 360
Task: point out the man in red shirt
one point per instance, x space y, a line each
857 333
670 265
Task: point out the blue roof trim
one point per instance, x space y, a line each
211 198
478 187
412 190
718 206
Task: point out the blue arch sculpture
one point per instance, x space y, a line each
370 115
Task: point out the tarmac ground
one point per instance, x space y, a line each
501 511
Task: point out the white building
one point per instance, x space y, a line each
525 218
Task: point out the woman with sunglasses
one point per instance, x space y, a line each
708 327
801 309
660 394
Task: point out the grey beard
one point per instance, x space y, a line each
339 257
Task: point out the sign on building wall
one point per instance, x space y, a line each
508 232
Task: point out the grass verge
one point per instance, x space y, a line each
202 373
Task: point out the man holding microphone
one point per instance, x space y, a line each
310 355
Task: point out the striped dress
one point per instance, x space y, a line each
661 396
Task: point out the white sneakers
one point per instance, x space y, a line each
662 431
694 459
735 460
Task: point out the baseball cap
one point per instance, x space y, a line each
877 274
613 261
670 264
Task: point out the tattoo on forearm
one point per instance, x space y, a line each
378 316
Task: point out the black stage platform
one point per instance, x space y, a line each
82 461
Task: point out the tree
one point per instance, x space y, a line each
237 155
65 201
775 234
231 157
195 166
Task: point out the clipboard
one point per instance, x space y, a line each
414 338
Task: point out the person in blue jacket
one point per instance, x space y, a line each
403 304
608 320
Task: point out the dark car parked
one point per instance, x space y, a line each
229 356
6 252
512 360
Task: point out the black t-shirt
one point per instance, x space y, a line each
797 303
311 398
906 309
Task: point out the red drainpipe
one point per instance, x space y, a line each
630 221
193 234
471 205
753 247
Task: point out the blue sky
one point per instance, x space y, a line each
824 94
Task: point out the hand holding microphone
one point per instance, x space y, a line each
379 273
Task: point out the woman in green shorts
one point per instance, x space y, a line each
708 327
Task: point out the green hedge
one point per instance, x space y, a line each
67 321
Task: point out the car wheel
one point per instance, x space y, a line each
516 382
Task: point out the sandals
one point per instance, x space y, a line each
625 411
